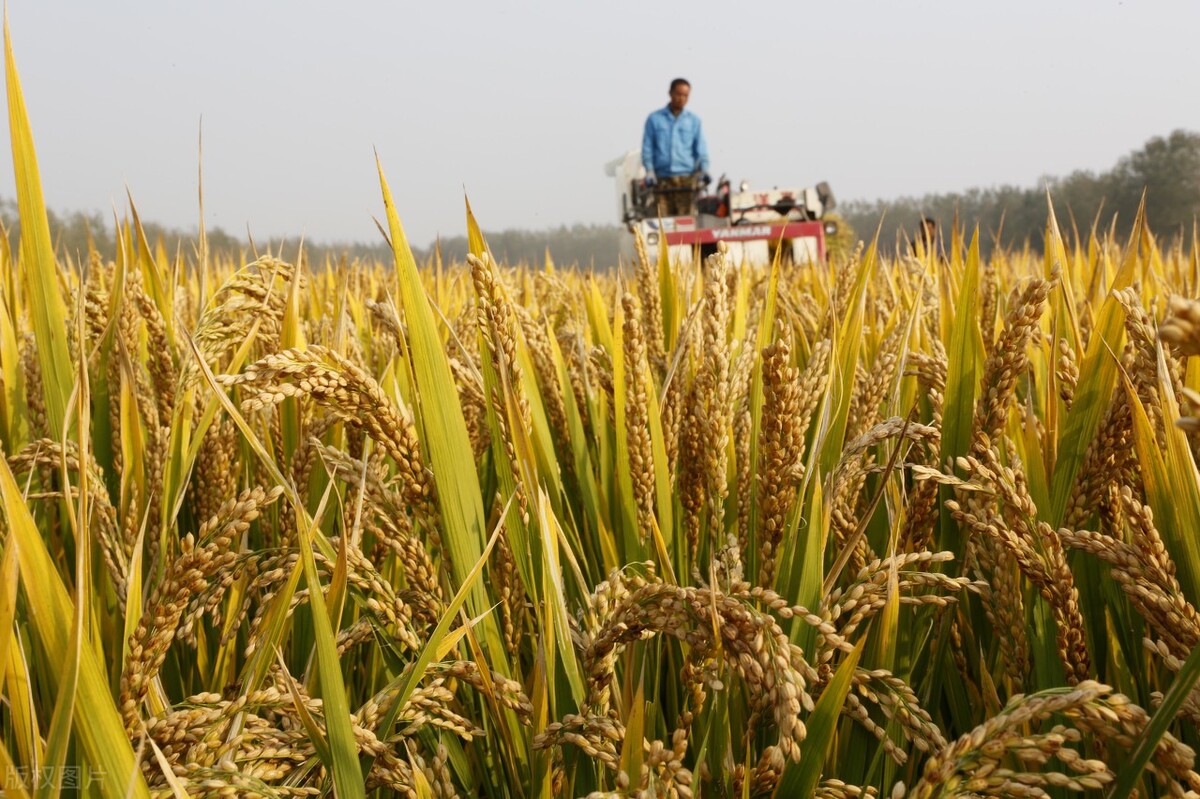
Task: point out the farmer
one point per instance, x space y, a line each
926 240
674 153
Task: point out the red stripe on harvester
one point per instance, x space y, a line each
764 232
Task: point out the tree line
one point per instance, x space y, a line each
1166 168
76 233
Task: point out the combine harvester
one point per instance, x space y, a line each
754 224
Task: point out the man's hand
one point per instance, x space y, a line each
651 181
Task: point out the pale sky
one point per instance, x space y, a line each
522 104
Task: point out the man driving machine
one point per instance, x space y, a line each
675 154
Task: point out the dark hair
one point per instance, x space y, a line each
927 221
679 82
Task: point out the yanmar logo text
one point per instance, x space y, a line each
748 232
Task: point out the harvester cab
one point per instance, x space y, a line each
756 225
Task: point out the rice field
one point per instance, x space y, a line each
894 525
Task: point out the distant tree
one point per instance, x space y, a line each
578 245
1167 169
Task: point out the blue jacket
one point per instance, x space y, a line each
674 145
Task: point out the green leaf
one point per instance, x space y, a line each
844 361
347 776
964 355
1172 483
1185 487
58 738
14 414
635 737
1093 392
26 730
10 581
430 651
50 609
315 736
48 309
556 599
13 778
964 360
1131 772
445 438
801 779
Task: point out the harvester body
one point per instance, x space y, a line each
756 225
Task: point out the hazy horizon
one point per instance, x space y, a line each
521 106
